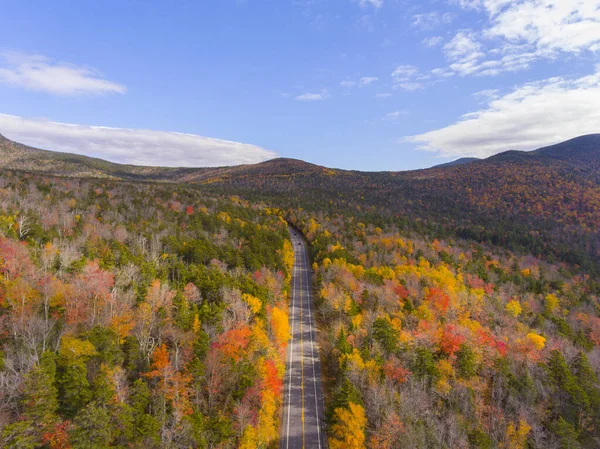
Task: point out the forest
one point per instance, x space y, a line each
456 307
451 344
139 316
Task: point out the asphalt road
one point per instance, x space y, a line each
303 425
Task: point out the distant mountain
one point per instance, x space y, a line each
543 201
17 156
461 161
581 149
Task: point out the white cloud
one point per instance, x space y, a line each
520 32
405 77
366 80
374 3
38 73
432 41
463 46
409 86
529 117
383 95
549 26
442 73
487 94
362 82
393 116
431 20
404 72
131 146
313 96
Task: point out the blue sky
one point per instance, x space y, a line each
361 84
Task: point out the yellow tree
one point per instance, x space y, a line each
349 429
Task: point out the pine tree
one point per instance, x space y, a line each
92 428
145 426
465 362
40 402
567 435
39 405
575 400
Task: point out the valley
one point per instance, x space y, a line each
458 306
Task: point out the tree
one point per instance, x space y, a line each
19 435
385 436
466 364
537 340
514 308
567 435
349 428
385 334
145 426
40 401
516 435
74 387
586 378
280 325
572 400
92 428
39 404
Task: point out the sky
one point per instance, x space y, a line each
354 84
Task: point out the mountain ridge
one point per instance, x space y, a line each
546 201
584 148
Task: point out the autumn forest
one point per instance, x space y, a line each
452 311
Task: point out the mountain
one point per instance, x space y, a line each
16 156
461 161
158 311
545 201
582 149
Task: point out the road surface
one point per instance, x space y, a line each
302 425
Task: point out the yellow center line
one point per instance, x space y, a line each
302 355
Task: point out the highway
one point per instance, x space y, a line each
302 425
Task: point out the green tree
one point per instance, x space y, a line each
145 426
466 364
39 405
567 435
385 334
572 399
74 387
345 394
91 428
20 435
40 402
424 364
586 378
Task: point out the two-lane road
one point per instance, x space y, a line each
303 425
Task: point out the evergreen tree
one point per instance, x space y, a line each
40 402
146 427
92 428
572 400
385 334
567 435
465 362
39 405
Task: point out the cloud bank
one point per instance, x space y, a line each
132 146
520 32
529 117
39 73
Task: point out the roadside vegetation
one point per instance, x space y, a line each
139 316
446 344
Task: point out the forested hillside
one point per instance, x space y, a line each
451 344
139 316
458 306
545 202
